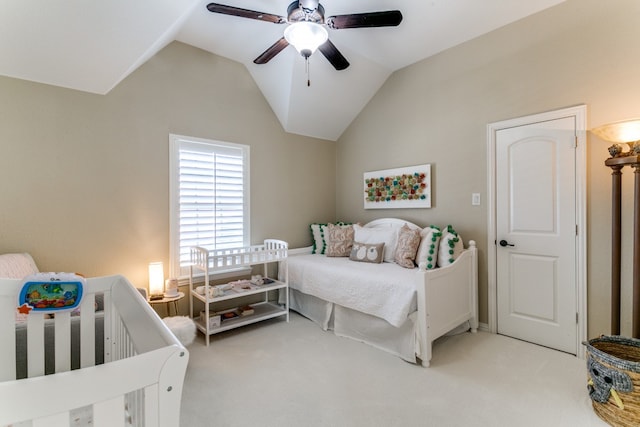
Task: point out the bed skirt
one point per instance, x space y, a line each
344 322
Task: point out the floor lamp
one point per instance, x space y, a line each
625 151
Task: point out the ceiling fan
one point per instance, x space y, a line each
307 31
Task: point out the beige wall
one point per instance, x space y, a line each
85 177
436 111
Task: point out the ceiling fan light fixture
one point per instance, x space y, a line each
306 36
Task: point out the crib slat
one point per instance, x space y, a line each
57 420
63 341
108 338
87 331
7 337
35 345
109 413
151 408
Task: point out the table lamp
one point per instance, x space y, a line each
156 281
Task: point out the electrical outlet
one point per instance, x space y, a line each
475 199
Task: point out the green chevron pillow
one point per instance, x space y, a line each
428 249
451 247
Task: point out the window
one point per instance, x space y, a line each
209 196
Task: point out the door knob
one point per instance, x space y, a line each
504 243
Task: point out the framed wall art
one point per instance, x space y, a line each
400 188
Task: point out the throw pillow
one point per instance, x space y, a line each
408 242
386 235
364 252
339 240
17 265
429 245
451 247
317 237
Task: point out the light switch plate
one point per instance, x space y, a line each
475 199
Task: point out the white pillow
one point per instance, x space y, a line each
17 266
451 247
317 234
387 235
429 246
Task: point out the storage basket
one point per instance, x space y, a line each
613 364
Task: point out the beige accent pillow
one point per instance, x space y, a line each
367 252
429 245
408 242
339 240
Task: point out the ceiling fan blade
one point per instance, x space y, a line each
245 13
389 18
331 52
272 51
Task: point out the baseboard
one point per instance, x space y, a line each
484 327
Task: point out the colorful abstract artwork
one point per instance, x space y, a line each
408 187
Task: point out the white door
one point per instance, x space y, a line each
536 233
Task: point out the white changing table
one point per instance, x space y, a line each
209 261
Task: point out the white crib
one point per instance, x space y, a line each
139 383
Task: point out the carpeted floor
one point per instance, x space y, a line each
294 374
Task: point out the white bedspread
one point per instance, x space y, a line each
383 290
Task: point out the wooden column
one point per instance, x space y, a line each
635 331
616 164
616 244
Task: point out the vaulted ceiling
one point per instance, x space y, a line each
91 46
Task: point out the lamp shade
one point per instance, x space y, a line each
156 278
619 132
306 36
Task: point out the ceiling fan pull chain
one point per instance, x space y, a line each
306 64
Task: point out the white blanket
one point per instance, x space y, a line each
383 290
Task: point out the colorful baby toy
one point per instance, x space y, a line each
50 292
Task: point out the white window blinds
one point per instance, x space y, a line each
209 199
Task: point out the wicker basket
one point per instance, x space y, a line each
614 379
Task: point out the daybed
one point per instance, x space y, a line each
115 366
397 309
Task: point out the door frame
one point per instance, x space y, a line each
580 115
